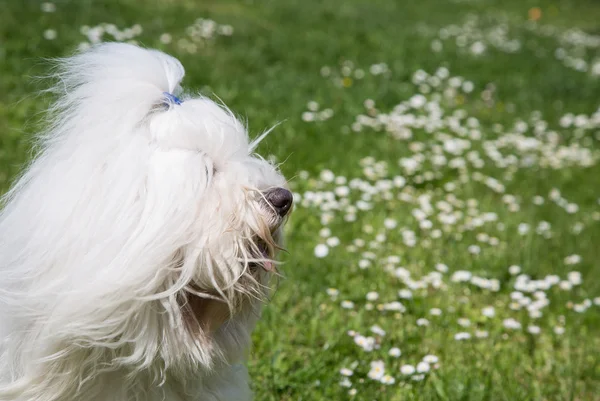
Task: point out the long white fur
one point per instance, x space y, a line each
132 204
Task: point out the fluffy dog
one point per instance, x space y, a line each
136 249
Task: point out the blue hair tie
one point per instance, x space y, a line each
172 98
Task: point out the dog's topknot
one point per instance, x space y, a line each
118 72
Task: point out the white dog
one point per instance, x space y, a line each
136 249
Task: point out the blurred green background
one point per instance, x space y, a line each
317 66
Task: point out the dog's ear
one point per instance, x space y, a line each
168 207
99 319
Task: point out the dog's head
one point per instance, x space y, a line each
234 206
146 227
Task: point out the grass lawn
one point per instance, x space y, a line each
445 158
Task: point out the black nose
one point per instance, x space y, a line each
281 199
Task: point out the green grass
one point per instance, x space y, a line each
268 71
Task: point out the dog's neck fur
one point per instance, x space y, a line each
227 383
90 373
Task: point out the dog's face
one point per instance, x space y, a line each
239 205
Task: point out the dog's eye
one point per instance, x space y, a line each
214 170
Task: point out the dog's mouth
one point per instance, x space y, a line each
206 310
262 257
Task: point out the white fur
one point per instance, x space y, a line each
133 208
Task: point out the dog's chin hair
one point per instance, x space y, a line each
126 246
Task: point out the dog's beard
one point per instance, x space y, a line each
207 308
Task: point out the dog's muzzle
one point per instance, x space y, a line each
279 202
